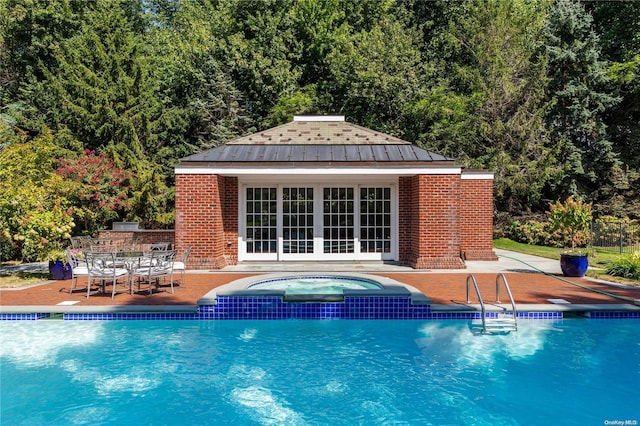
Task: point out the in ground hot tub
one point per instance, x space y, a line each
315 296
316 285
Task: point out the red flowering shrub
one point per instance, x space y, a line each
100 191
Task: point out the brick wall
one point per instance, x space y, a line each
407 219
441 218
229 197
476 218
142 236
199 222
429 210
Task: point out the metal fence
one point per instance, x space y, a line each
618 237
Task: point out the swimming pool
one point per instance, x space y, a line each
318 372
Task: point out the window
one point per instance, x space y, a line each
262 220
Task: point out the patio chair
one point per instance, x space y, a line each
101 267
78 267
160 266
160 246
181 266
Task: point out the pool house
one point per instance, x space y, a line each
321 189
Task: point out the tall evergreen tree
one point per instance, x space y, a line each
29 34
257 45
618 25
203 108
485 106
375 73
95 91
575 121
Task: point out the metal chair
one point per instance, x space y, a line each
102 267
160 246
181 266
78 267
160 266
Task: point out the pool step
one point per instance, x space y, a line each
502 324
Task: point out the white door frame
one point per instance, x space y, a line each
318 240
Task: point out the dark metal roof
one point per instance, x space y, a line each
316 153
320 139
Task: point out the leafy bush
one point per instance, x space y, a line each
35 216
567 226
609 229
8 249
626 267
529 232
571 220
99 191
42 234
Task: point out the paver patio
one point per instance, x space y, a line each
441 288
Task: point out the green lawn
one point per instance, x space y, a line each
507 244
597 259
22 279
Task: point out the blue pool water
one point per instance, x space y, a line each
318 372
316 285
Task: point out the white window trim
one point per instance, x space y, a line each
318 254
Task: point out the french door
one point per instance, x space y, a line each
318 222
298 233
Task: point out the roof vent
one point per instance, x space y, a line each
318 118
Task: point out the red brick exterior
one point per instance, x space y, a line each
229 197
407 219
476 219
429 209
442 220
207 219
142 236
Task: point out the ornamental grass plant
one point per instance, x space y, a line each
626 267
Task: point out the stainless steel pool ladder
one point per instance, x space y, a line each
505 321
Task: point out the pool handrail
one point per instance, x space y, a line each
506 286
475 285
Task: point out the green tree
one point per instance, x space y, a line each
29 35
486 105
575 121
202 108
100 92
375 73
257 44
618 25
36 218
95 93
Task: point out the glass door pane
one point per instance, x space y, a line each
262 220
338 220
375 220
297 220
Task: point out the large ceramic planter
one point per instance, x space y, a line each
59 270
574 265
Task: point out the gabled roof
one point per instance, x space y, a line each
317 139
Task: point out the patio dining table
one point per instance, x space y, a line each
131 260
